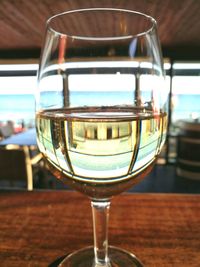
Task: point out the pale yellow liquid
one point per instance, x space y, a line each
99 147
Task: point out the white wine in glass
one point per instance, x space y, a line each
101 112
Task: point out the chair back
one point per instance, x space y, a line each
15 166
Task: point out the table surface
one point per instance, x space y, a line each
26 138
38 228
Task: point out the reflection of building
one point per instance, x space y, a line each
102 138
101 131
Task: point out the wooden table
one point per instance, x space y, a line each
39 228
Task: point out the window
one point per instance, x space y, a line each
185 100
17 93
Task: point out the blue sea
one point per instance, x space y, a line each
17 108
186 107
22 107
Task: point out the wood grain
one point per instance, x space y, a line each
22 22
39 228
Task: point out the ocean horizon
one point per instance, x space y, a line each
21 107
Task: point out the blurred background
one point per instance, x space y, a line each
22 26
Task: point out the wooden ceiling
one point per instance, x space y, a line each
22 24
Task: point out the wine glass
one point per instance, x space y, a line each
101 112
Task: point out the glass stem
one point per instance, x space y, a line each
100 213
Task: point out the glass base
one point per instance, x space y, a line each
85 258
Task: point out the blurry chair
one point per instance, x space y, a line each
17 165
188 150
7 129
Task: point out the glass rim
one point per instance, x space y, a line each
94 38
